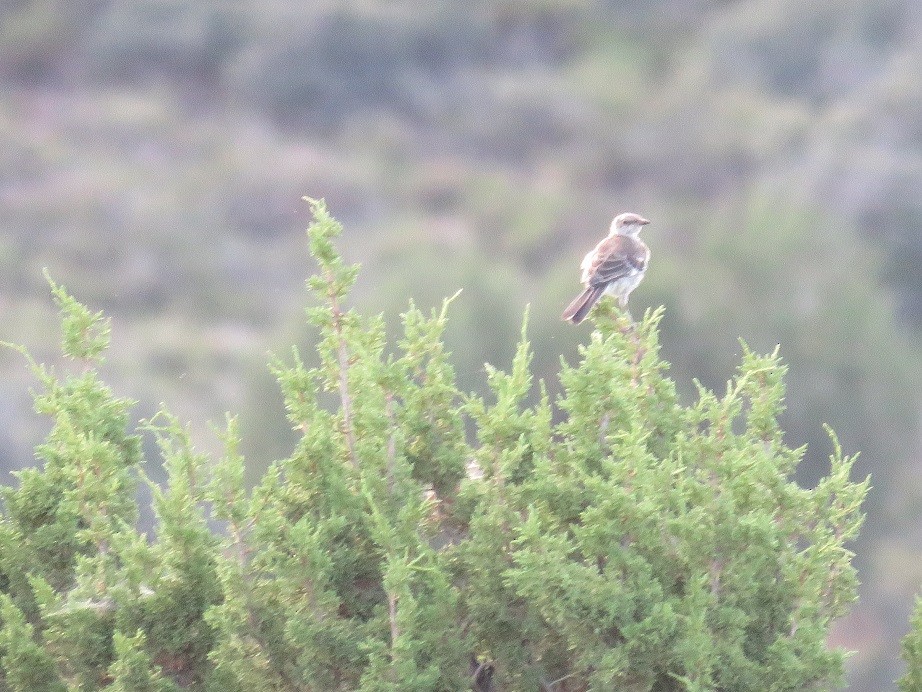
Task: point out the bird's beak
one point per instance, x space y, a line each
643 221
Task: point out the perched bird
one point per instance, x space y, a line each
615 266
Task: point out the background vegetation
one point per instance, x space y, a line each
154 153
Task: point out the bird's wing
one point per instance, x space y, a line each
615 258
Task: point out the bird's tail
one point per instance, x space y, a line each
577 310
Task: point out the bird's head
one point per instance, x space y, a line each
627 224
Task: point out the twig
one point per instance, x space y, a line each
603 427
392 614
550 685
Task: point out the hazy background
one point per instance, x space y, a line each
153 154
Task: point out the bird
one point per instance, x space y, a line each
614 267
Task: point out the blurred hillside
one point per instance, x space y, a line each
153 155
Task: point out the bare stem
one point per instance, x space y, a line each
392 614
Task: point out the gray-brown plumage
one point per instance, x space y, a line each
614 267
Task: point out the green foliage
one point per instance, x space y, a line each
26 665
421 539
132 670
86 334
912 653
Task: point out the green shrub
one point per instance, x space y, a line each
421 539
912 653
